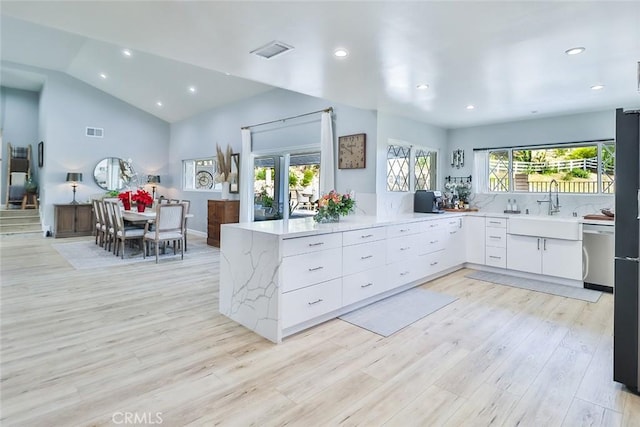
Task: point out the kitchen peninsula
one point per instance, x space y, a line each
278 278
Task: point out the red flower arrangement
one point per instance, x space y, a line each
125 198
142 197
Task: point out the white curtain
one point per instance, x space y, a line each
327 164
480 171
246 178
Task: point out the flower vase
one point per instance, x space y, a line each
141 207
329 218
225 190
127 204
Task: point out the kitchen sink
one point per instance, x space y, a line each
538 226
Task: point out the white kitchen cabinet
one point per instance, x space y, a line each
542 255
455 253
474 239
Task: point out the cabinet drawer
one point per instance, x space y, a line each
306 269
362 236
431 263
362 257
403 272
453 223
433 225
360 286
303 245
402 248
431 241
305 304
496 237
496 222
496 257
402 230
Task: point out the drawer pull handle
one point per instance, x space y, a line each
452 232
434 263
316 268
495 237
433 225
366 257
404 273
433 241
405 248
366 236
495 257
315 302
495 222
404 230
316 244
367 285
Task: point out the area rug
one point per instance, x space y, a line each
389 315
86 254
536 285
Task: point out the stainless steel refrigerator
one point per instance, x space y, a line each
626 328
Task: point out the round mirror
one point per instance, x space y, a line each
113 173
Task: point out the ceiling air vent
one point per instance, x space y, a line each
272 49
95 132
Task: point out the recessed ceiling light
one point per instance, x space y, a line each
422 86
103 76
574 50
341 52
159 103
126 53
597 87
470 107
192 89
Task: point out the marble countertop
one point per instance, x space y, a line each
300 227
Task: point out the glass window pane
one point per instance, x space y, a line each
425 171
397 168
499 171
200 174
608 168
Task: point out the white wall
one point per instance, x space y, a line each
412 132
19 124
67 107
551 130
197 136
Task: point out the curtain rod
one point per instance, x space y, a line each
550 145
326 110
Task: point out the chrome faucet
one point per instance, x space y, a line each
554 207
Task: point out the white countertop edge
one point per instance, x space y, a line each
300 227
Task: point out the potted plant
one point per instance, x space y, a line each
142 199
125 198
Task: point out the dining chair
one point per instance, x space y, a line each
98 221
109 213
169 226
123 233
187 206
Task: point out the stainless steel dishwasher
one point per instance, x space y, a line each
597 256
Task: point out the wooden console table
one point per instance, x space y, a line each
220 212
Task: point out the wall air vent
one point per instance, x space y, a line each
272 49
95 132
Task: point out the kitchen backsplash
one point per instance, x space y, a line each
569 203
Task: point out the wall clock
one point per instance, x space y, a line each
204 180
352 150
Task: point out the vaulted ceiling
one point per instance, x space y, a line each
507 59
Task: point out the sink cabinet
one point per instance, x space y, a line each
542 255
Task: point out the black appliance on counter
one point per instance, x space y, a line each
427 201
626 316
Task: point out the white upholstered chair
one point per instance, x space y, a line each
169 226
122 233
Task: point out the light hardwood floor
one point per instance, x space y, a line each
84 348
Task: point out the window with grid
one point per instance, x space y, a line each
425 162
581 168
199 175
398 168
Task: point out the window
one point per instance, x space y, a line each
199 174
586 168
425 169
411 168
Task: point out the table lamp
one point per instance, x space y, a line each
74 178
153 180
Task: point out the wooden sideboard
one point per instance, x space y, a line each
73 220
220 212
